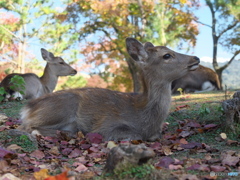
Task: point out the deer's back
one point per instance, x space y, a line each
89 109
33 86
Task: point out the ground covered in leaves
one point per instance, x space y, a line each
195 145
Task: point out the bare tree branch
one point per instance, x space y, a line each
202 23
228 28
229 62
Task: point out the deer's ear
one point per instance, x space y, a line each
136 50
148 45
47 56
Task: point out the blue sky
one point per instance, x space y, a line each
204 46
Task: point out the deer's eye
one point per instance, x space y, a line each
61 63
167 56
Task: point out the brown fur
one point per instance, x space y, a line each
35 86
194 81
115 115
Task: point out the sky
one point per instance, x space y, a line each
204 46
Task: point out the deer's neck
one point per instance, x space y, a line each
48 80
157 107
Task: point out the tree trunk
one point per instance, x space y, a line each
219 73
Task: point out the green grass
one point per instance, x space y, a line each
12 108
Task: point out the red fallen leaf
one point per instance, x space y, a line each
75 153
210 126
37 154
94 138
85 146
181 107
193 124
9 123
200 130
194 167
62 176
170 136
217 168
66 151
165 162
230 160
3 152
179 130
184 134
50 139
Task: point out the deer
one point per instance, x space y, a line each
202 80
35 86
113 114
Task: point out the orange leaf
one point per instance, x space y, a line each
62 176
41 175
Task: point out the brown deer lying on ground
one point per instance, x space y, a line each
115 115
35 86
203 79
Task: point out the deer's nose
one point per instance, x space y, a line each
196 58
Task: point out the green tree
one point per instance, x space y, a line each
30 22
225 30
112 21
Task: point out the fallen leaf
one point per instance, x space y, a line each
3 152
9 176
54 150
87 175
75 153
4 165
184 134
167 151
42 174
175 167
193 124
62 176
216 168
183 141
230 160
165 162
231 142
210 126
37 154
111 144
14 147
223 135
81 168
94 137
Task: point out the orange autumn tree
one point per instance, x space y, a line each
104 25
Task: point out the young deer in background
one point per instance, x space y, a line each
113 114
35 86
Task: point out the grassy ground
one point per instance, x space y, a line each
202 108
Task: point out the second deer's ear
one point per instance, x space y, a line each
47 56
136 50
